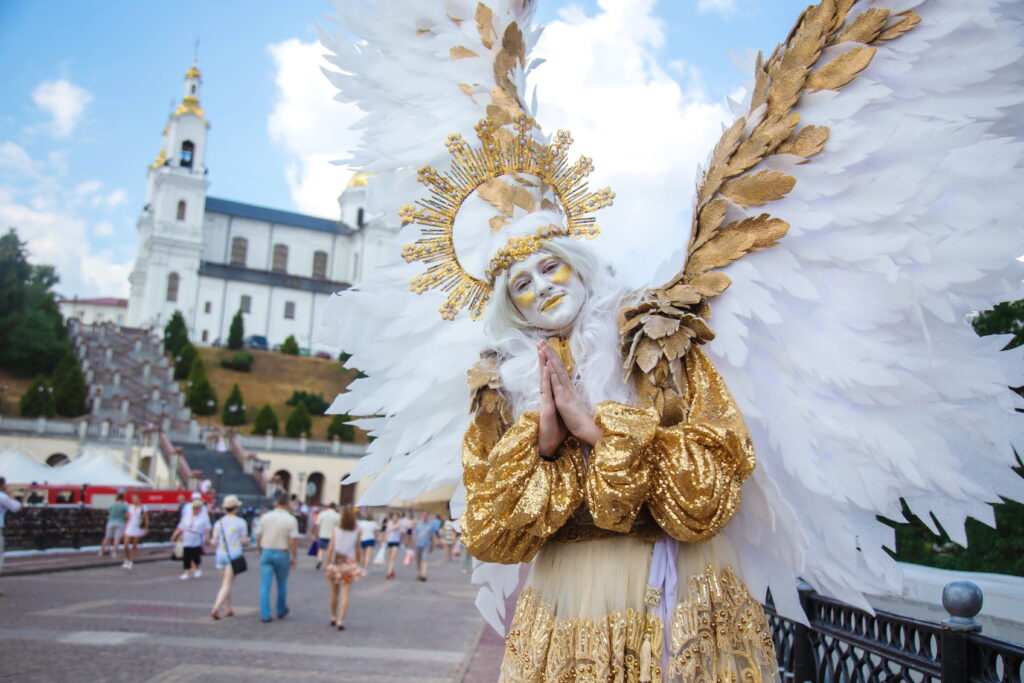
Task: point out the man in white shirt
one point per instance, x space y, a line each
7 504
278 538
326 520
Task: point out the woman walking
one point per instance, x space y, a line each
393 536
194 532
342 566
368 540
136 528
231 534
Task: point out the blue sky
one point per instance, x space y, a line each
88 87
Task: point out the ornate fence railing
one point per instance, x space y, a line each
843 644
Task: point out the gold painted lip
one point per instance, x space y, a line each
552 302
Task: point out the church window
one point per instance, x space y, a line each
355 265
320 265
193 88
172 287
207 306
206 335
239 251
359 217
181 210
289 310
187 151
280 259
245 304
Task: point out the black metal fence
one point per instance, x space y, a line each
843 644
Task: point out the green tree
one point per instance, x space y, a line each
299 422
1004 318
315 403
234 408
37 399
32 334
69 390
236 334
290 346
175 334
266 421
339 427
200 395
183 359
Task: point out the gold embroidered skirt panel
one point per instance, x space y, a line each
582 617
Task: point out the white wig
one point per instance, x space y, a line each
593 341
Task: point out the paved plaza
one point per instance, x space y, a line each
108 624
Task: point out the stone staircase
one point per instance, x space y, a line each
130 379
232 479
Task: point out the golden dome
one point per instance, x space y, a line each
359 180
193 72
189 105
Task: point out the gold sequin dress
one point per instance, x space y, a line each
589 521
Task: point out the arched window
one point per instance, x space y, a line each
359 217
172 287
181 210
320 265
280 259
239 251
187 151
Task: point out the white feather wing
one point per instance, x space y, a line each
847 345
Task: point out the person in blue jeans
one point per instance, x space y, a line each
278 543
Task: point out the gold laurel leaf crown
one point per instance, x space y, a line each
472 166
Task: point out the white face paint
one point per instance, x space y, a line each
546 291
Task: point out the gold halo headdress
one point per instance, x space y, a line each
533 170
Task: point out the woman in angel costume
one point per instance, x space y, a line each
659 476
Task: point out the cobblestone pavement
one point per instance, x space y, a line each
147 625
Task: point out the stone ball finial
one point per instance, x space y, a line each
963 601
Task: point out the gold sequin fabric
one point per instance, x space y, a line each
541 647
514 498
720 634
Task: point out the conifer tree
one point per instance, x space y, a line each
236 334
201 397
266 421
299 422
175 334
234 408
69 390
183 360
341 428
37 399
290 346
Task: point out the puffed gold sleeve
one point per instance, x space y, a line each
514 498
698 466
619 479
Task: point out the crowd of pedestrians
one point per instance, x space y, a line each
347 545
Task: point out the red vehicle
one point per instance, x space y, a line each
72 495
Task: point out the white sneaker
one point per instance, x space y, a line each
126 564
199 573
184 577
130 565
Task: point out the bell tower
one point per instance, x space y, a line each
170 243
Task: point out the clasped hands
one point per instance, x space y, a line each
561 412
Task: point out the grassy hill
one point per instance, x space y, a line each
272 379
11 389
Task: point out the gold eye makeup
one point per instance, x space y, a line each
562 274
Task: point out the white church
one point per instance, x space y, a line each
210 257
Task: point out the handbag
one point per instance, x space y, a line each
238 564
179 550
379 557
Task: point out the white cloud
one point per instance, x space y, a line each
115 199
15 157
46 213
312 127
646 133
724 7
64 101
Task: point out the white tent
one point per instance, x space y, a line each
93 469
19 468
